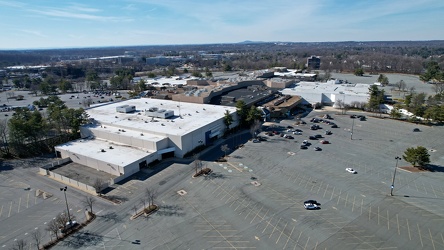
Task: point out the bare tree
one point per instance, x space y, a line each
197 164
255 127
340 104
19 245
4 148
135 209
53 227
438 87
403 86
98 185
143 202
225 149
151 195
36 235
89 202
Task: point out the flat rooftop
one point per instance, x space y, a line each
359 89
121 155
187 116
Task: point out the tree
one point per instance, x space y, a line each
225 149
89 201
359 72
53 227
433 73
241 109
4 145
418 156
197 162
227 67
98 185
36 235
228 119
395 113
255 128
400 85
151 194
19 245
253 115
376 98
383 80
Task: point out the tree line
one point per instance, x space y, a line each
31 132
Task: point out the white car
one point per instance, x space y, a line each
351 170
297 133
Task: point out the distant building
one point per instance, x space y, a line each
314 62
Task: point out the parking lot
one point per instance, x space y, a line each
231 210
255 200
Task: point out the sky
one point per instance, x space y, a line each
34 24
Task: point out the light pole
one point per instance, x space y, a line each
394 175
351 132
66 200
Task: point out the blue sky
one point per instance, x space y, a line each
81 23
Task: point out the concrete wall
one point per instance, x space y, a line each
121 137
68 181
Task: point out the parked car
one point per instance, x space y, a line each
416 130
256 141
312 137
298 130
305 142
290 127
317 148
327 132
311 206
312 202
334 126
318 136
353 116
325 142
351 170
288 137
303 147
297 133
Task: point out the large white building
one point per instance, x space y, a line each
328 93
120 141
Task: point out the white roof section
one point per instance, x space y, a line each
358 89
194 116
165 81
120 155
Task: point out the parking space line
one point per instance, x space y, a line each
346 198
291 233
419 233
369 212
277 224
247 206
297 241
433 191
1 211
431 238
250 211
353 206
331 197
305 247
388 221
282 231
10 208
27 200
408 229
378 215
257 214
362 204
397 222
325 191
20 201
268 223
424 188
442 238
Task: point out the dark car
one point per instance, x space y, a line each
312 202
303 147
353 116
327 132
416 130
312 137
334 126
318 136
290 127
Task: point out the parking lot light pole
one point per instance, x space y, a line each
351 132
394 175
66 200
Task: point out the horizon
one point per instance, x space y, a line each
204 44
45 24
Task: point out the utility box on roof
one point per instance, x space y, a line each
126 109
